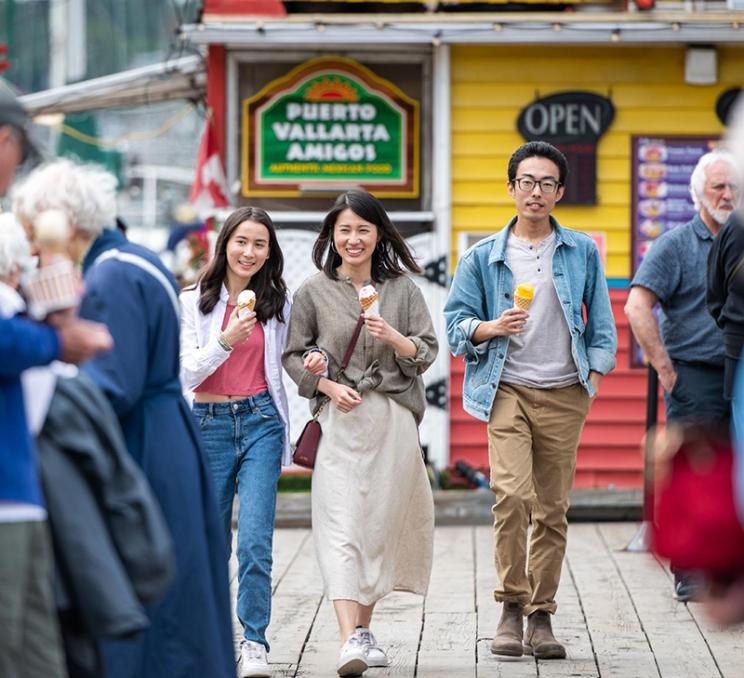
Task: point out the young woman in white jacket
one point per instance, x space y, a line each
233 366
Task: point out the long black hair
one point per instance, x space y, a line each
268 284
391 257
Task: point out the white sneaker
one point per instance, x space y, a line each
376 657
353 658
253 662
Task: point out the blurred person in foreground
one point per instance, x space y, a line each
686 347
29 641
128 289
726 300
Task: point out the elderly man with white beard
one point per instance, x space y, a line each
685 346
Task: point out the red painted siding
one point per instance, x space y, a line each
245 8
610 448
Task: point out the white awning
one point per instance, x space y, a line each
182 78
678 27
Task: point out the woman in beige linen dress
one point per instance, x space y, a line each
372 506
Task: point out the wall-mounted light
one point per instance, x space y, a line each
701 66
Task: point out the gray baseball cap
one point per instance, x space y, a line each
14 115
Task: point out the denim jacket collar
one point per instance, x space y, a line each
498 253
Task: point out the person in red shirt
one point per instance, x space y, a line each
230 358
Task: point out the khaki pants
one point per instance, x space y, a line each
30 645
532 439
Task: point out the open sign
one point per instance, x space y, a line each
568 117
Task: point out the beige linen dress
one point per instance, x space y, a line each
372 507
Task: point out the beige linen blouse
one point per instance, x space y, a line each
324 314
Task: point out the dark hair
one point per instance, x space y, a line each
391 257
268 284
539 149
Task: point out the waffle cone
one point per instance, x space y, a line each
367 302
522 303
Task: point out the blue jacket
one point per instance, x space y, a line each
23 344
190 632
482 290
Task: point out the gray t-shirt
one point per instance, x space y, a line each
674 269
540 356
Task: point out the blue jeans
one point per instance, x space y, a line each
243 441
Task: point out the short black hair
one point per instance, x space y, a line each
539 149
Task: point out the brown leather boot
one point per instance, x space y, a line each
508 638
539 639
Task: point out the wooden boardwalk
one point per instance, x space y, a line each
616 615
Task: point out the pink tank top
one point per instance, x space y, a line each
243 373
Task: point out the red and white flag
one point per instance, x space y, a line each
209 191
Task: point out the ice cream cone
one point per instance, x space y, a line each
523 296
368 298
246 302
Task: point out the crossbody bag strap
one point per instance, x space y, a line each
353 342
345 361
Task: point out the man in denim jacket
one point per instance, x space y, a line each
532 377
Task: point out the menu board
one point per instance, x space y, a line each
661 201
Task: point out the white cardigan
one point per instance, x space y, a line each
201 355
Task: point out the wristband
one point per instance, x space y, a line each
224 343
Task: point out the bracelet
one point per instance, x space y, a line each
224 343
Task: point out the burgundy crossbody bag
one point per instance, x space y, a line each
307 444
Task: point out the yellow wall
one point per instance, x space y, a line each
490 85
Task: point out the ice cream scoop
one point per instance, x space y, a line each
368 298
246 302
523 295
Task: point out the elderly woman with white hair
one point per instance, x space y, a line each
128 288
25 547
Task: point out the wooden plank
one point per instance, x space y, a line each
726 644
488 612
569 627
674 636
397 625
452 585
295 600
448 645
621 646
448 640
320 653
287 545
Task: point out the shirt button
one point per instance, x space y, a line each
506 295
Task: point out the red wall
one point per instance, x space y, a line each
610 448
245 8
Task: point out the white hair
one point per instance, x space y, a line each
85 194
15 251
698 177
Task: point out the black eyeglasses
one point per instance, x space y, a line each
547 186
